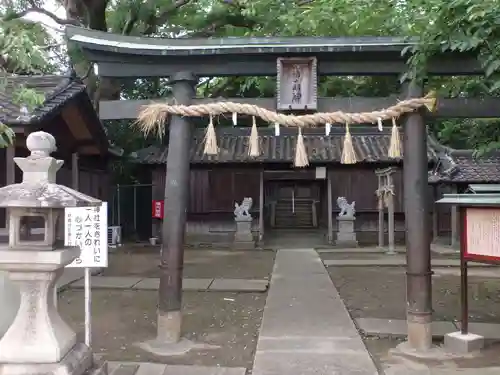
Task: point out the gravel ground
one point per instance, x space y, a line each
197 263
120 319
379 349
380 292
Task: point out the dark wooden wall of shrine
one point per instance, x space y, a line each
214 191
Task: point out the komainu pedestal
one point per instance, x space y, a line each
346 235
38 341
243 237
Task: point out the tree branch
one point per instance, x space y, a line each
155 21
60 21
127 29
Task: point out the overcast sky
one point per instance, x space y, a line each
52 26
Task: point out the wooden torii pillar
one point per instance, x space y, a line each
385 194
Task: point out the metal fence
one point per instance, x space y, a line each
130 208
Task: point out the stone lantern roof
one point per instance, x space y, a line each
39 188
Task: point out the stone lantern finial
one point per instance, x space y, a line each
41 144
39 167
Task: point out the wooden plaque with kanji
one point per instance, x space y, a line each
482 233
297 83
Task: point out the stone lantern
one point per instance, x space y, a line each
39 341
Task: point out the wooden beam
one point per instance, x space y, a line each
329 207
448 107
89 150
75 123
84 143
75 171
221 66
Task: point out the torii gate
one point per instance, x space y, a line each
183 60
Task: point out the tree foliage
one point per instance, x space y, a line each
466 26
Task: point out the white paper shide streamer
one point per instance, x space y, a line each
276 129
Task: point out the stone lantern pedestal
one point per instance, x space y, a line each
39 341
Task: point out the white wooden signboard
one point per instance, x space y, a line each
87 227
483 232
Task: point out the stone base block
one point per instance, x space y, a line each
78 361
456 342
346 243
241 245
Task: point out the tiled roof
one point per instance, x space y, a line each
462 166
56 89
370 145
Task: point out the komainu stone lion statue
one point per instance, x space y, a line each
346 209
242 210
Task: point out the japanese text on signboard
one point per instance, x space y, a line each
87 227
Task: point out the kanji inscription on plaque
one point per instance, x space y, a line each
482 232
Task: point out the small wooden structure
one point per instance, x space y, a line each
69 115
385 199
454 171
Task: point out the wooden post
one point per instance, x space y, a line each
418 254
380 205
75 175
261 206
455 238
10 174
176 203
10 167
329 207
390 214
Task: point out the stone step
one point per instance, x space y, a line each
293 219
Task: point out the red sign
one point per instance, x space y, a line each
481 237
158 209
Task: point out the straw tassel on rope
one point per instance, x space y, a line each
395 146
301 158
253 147
348 154
211 147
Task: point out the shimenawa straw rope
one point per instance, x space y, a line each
153 116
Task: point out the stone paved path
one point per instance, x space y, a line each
306 328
